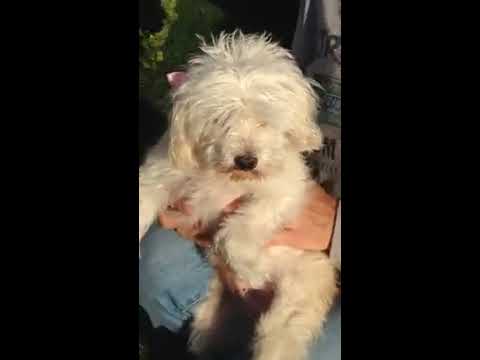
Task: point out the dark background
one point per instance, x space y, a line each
274 16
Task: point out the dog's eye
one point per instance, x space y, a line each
261 125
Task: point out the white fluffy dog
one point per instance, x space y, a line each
238 127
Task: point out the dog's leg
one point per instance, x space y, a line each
204 318
149 204
155 175
298 311
242 236
240 245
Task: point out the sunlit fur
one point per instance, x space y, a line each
245 94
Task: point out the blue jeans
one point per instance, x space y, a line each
174 278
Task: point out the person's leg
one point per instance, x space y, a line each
173 278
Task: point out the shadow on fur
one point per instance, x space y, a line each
235 323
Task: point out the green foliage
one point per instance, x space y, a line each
152 44
168 49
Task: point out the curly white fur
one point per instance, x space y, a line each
245 95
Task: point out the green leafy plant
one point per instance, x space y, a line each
168 49
152 44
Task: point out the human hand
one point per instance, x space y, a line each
313 227
173 219
311 230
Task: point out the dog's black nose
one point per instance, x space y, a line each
245 162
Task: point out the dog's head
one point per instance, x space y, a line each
243 106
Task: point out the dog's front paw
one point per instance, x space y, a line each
241 254
236 244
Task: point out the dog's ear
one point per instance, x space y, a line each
180 149
177 78
305 134
306 137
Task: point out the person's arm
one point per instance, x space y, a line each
314 229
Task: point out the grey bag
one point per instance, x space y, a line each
317 48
